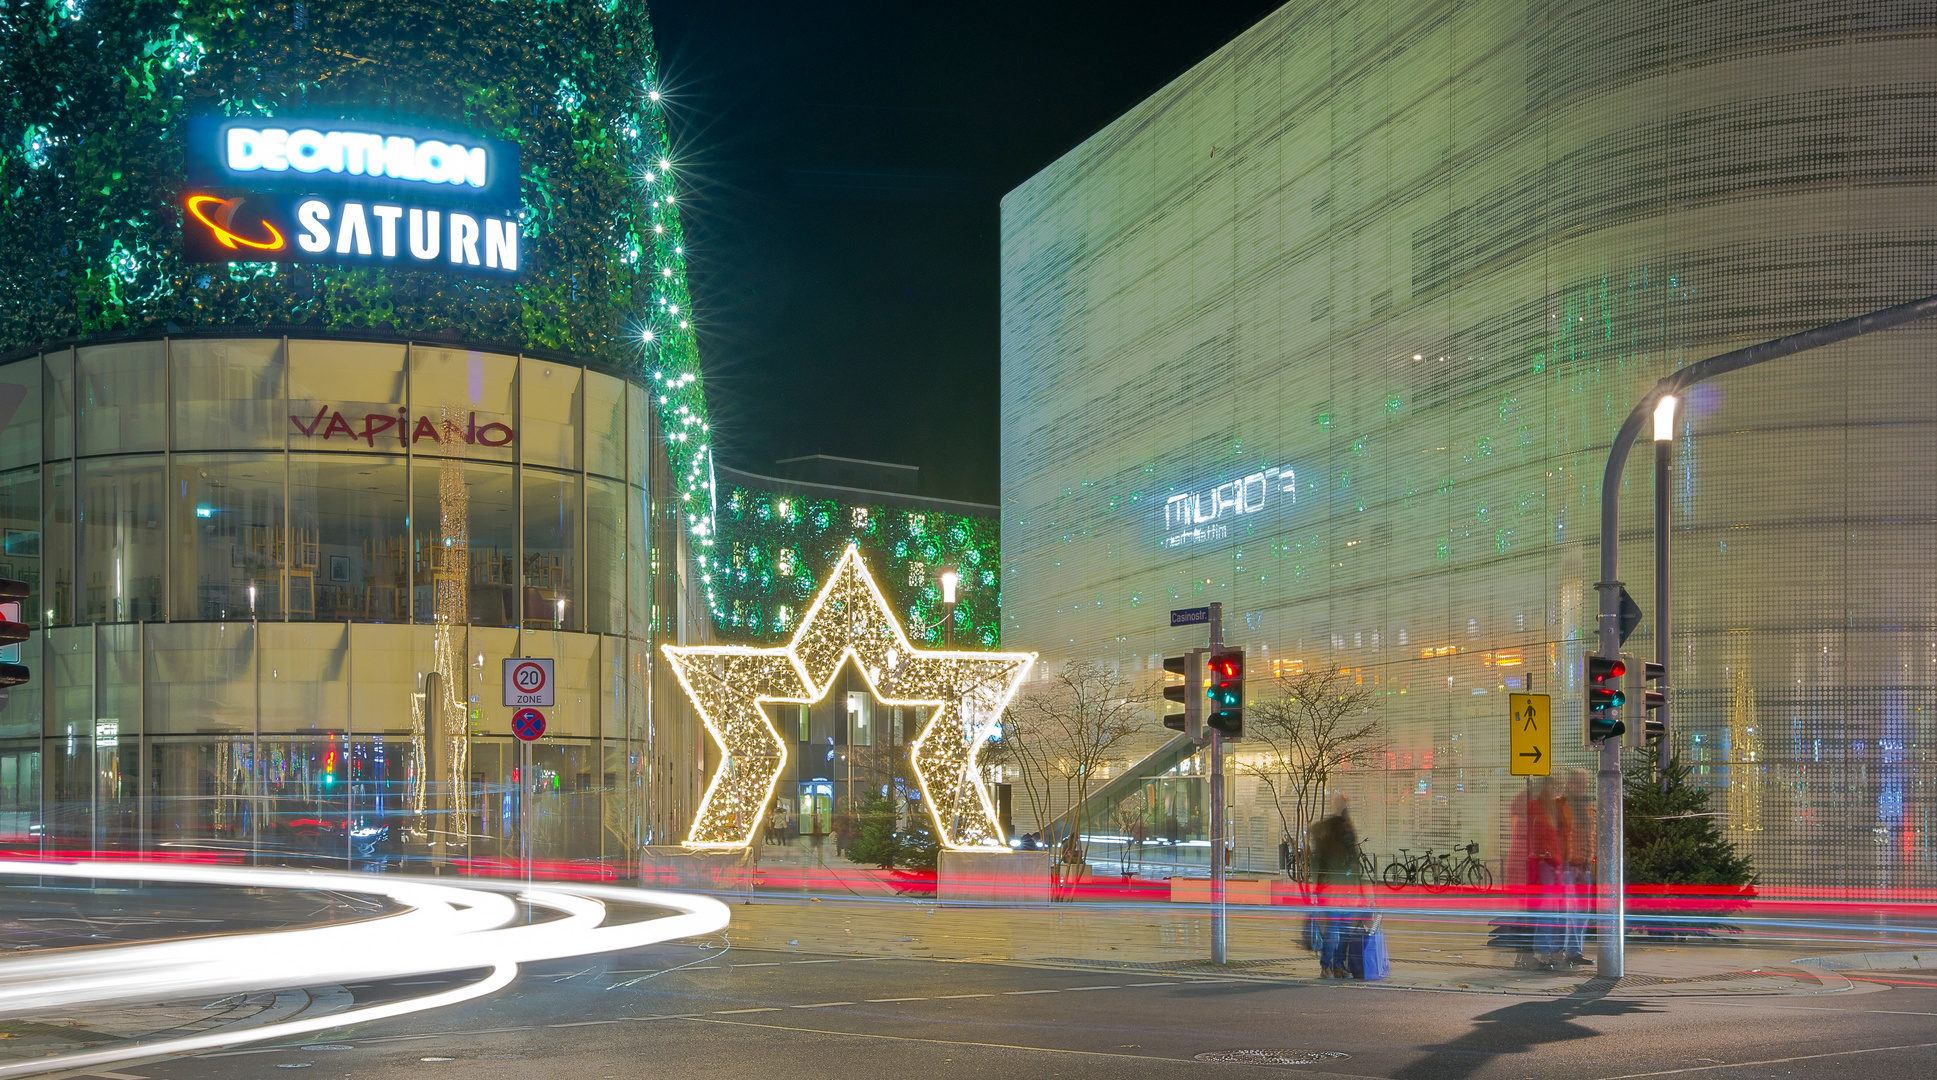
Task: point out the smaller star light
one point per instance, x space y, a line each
732 685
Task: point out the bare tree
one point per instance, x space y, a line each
1307 725
1060 735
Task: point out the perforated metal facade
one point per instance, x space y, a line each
1396 271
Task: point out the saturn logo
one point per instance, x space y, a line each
223 213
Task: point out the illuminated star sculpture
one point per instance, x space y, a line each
730 685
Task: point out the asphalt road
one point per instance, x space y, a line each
691 1012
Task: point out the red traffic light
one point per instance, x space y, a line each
1226 666
1613 670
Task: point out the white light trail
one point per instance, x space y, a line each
444 927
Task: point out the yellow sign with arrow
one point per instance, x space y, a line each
1530 735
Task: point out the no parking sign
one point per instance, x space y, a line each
528 724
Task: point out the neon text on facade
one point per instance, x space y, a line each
357 153
1207 515
329 423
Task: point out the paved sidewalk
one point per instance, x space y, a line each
1428 952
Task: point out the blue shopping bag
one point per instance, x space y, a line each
1367 957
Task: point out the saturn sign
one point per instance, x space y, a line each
368 194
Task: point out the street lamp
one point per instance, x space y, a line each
949 580
1664 461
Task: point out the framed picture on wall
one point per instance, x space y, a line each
340 569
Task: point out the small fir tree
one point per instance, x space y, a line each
1672 835
874 840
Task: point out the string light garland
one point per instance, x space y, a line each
730 685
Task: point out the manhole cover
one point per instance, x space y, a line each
1273 1057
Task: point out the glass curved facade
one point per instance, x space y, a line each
1336 330
276 578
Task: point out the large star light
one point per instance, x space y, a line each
730 685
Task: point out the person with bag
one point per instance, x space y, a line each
1335 866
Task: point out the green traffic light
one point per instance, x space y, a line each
1616 699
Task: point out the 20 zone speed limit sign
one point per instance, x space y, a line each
528 682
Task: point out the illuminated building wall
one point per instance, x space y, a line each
284 517
1420 258
782 537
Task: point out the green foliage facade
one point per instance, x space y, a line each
1672 836
92 170
778 550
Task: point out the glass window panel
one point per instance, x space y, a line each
605 431
349 533
548 424
200 678
638 571
20 535
639 447
551 581
57 545
606 553
305 677
347 395
20 789
20 716
203 790
122 540
20 436
229 539
69 658
123 398
57 404
612 690
228 394
389 662
461 403
466 543
306 795
117 693
488 648
575 666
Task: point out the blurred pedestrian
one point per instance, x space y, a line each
1577 867
1335 867
1543 875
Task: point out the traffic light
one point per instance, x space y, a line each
13 631
1604 698
1643 702
1227 693
1189 695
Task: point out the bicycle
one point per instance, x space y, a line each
1413 870
1469 869
1368 864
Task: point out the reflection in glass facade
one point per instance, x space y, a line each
276 579
1335 330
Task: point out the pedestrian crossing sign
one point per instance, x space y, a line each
1530 736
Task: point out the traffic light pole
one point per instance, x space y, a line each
1610 828
1217 811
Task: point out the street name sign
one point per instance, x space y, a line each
1190 616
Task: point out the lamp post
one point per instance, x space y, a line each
949 580
1664 459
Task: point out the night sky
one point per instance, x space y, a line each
843 167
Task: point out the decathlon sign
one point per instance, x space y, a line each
1210 514
338 191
